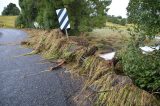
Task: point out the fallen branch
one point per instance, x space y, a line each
58 65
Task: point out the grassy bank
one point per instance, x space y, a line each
112 30
106 86
7 21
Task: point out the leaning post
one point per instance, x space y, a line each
63 20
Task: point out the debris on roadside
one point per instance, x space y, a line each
108 56
85 59
147 49
59 64
157 37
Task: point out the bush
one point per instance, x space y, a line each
19 22
117 20
144 69
123 22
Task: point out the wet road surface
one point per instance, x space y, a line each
20 85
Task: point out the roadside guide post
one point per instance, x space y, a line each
63 20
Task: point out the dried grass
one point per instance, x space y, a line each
106 87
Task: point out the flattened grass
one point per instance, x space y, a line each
109 89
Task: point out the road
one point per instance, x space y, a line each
22 82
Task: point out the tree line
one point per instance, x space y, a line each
117 20
83 14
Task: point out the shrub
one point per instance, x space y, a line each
117 20
144 69
19 22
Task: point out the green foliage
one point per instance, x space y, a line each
28 12
83 14
144 69
117 20
123 22
19 21
145 14
47 16
10 10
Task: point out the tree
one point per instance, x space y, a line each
144 69
11 9
145 14
117 20
48 14
87 14
28 12
83 14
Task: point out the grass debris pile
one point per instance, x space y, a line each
106 87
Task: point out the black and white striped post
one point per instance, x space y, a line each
63 19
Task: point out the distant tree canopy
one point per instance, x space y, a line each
11 9
146 15
83 14
117 20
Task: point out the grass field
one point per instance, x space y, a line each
112 35
118 26
111 29
7 21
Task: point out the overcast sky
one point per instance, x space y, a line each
117 8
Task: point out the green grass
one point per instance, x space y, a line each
111 29
106 32
118 26
7 21
111 36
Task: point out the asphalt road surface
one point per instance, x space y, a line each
22 82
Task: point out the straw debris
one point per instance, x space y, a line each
106 87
